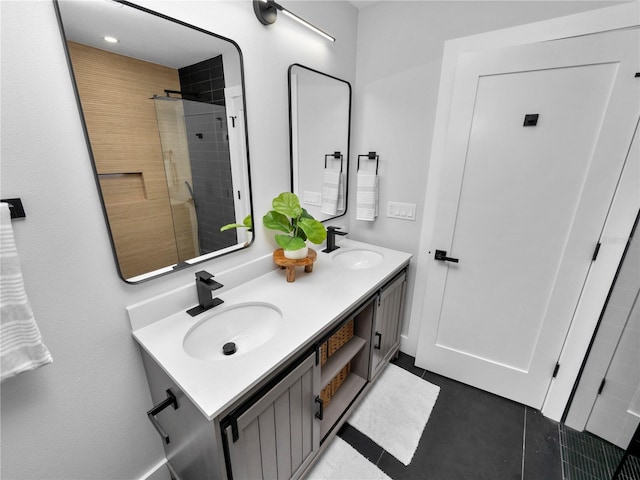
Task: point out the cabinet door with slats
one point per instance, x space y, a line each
278 435
388 318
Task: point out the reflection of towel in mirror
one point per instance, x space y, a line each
21 346
367 196
332 192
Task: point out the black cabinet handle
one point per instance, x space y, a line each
169 401
320 412
378 335
442 256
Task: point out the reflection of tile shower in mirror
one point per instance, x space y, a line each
177 167
197 160
211 170
320 113
170 172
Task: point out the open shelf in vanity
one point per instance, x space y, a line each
354 356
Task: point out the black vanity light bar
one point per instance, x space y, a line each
267 12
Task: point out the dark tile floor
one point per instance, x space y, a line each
473 435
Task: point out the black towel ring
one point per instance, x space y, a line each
370 156
333 155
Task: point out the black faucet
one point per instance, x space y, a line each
331 238
205 284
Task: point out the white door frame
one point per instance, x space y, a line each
621 216
238 155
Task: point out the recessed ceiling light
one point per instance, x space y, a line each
110 39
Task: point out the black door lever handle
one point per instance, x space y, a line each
442 256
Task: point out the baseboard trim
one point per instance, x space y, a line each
406 346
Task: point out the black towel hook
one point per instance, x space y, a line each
370 156
335 155
15 207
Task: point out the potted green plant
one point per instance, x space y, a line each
296 224
246 223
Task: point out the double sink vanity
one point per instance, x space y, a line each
258 412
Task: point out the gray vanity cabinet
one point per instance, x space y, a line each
193 445
388 318
277 436
277 430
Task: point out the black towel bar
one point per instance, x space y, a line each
15 207
335 155
370 156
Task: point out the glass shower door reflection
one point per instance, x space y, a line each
195 150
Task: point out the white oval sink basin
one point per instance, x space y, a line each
247 325
358 259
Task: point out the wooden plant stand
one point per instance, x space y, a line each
290 264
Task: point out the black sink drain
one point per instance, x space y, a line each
229 348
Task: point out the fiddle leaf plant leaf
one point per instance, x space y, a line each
314 230
230 226
287 203
297 230
306 214
246 223
277 221
287 242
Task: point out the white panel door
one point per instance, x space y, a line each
522 207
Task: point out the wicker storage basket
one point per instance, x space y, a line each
340 378
325 395
323 353
341 337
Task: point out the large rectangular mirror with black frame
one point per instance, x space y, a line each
163 108
320 120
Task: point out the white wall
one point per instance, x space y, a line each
84 416
399 56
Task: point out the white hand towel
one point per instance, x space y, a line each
341 193
331 185
367 196
21 346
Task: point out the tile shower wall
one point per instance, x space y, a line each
205 78
587 457
206 122
614 413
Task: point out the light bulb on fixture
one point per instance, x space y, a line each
110 39
267 11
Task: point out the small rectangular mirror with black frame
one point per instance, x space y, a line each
163 109
319 127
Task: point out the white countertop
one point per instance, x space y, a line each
308 306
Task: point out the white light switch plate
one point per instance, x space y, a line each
404 211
